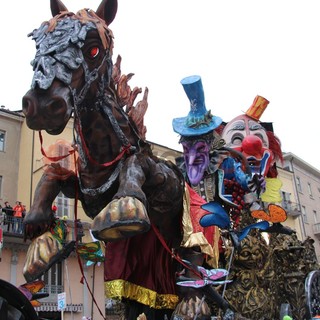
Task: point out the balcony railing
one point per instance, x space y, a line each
12 225
53 291
292 208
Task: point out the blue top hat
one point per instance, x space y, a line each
199 121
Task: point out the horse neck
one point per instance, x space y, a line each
104 132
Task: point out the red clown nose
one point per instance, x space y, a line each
252 145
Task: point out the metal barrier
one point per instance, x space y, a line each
11 224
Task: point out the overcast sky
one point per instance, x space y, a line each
239 48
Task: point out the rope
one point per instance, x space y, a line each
83 278
54 159
174 256
229 266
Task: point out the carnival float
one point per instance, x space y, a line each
200 239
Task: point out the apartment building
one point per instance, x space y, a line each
307 192
10 138
22 165
289 201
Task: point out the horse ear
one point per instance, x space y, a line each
107 10
56 7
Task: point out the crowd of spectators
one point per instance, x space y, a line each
12 217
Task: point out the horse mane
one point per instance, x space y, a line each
127 96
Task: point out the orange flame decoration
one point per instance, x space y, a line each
275 214
29 289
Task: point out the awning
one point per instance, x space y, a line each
53 306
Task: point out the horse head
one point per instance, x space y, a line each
72 65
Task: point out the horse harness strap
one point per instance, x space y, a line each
90 77
103 188
174 256
115 126
102 103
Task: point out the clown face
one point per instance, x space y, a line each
250 138
196 157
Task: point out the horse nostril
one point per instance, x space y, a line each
27 106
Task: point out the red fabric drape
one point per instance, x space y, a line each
141 260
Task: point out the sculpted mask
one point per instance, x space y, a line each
196 157
246 134
250 138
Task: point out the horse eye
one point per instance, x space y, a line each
94 52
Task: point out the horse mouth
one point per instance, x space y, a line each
34 125
54 131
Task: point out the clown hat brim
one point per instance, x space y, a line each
179 126
199 120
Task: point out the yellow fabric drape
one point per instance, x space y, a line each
118 289
272 193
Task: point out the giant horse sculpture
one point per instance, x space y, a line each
134 198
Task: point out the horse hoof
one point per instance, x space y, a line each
121 218
43 252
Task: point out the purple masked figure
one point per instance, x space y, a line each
200 166
203 148
196 156
197 134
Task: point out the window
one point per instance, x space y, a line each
62 203
298 184
286 203
315 216
304 214
310 190
2 140
53 280
62 148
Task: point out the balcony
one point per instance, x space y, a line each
292 208
11 226
49 304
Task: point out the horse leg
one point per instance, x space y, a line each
142 181
126 214
46 249
40 217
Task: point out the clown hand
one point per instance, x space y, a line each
257 184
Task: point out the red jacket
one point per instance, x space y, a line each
17 210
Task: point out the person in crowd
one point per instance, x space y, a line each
24 211
17 217
8 211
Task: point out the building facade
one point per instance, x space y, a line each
10 138
22 165
307 194
289 201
